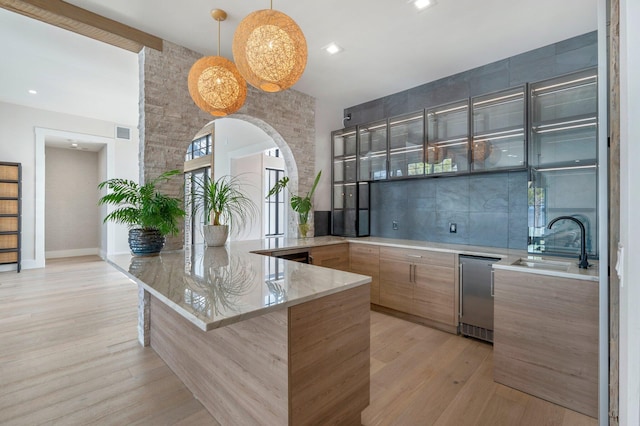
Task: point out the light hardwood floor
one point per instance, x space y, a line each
69 355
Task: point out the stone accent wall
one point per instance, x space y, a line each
169 120
144 324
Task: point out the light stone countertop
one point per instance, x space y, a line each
213 287
507 257
217 286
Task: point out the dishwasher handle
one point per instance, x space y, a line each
492 285
460 291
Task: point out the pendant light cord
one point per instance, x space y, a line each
271 4
218 38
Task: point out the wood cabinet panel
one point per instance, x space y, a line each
419 282
396 288
434 293
335 256
329 358
396 295
365 259
546 338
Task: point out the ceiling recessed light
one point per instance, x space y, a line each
423 4
74 145
33 92
332 48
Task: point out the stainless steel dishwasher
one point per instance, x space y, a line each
476 297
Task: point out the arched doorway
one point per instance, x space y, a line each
251 151
169 119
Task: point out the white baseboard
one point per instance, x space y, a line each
9 267
25 264
72 253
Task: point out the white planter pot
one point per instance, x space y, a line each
216 235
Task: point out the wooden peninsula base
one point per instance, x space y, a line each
303 364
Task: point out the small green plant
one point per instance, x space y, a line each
143 206
224 202
299 204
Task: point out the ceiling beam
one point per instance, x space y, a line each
81 21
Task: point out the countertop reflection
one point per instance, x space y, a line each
216 286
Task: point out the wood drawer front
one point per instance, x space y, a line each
334 256
9 190
8 224
365 259
9 172
8 241
9 257
546 338
8 207
418 256
434 293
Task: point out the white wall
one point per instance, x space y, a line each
629 208
72 215
18 144
104 229
328 119
235 138
250 173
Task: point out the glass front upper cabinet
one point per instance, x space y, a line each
448 138
563 191
406 145
344 155
564 121
563 157
350 210
372 151
349 205
498 129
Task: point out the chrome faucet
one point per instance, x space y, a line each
584 264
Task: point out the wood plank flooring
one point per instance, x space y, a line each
69 355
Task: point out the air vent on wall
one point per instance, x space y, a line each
123 133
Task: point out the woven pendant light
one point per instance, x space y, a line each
215 84
270 50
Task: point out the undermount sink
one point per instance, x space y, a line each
554 265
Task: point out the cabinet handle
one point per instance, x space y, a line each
415 272
410 273
492 291
414 256
460 291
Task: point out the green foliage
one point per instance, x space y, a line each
299 204
224 202
143 206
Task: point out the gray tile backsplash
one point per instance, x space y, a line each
489 193
488 210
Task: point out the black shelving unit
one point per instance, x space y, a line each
10 213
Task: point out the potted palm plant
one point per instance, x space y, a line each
300 204
225 205
149 214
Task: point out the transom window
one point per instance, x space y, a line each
199 148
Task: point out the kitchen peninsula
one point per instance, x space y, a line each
257 338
